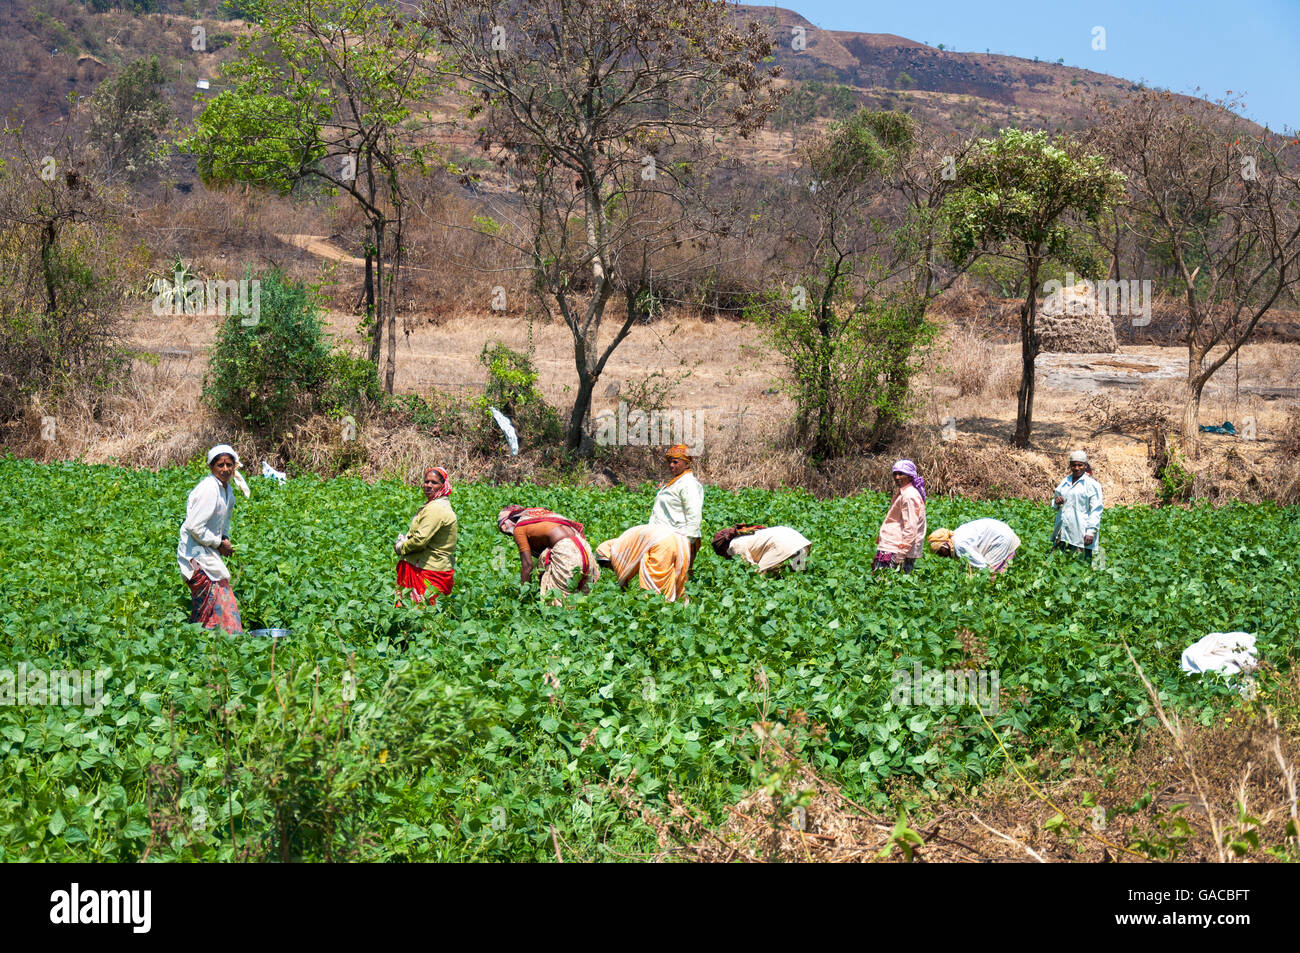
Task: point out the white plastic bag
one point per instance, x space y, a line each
508 429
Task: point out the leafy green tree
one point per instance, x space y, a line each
1016 197
867 238
867 254
326 90
127 118
918 174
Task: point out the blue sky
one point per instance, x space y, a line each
1251 47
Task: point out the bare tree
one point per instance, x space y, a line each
61 286
606 114
1221 202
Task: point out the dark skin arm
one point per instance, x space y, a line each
535 539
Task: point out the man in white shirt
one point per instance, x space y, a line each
1078 503
984 544
679 504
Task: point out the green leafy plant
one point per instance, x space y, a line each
264 373
1176 480
351 384
502 718
512 389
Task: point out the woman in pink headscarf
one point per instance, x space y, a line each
902 534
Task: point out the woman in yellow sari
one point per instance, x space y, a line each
657 555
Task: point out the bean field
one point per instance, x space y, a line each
491 724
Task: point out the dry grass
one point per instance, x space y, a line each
731 379
976 365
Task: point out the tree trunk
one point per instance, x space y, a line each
381 304
390 312
580 413
1028 351
370 306
824 441
1192 403
376 254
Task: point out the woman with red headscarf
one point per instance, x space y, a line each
903 531
428 550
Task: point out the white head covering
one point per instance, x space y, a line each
239 480
221 448
1078 457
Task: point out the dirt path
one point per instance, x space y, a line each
319 245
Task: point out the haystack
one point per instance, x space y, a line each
1071 321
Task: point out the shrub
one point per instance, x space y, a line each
512 389
350 384
839 359
262 375
1176 480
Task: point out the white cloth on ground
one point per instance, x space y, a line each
1227 652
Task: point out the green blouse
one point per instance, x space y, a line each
431 542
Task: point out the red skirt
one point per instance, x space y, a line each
212 604
418 580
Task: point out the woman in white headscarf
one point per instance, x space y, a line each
205 539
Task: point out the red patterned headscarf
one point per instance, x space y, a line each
446 481
514 516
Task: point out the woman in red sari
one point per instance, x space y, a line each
428 549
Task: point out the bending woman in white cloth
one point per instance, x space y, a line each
984 544
770 548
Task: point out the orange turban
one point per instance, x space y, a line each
678 452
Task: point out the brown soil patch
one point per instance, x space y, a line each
1128 366
728 376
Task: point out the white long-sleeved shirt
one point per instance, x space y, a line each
1080 514
985 543
207 519
680 506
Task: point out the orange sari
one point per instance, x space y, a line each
658 556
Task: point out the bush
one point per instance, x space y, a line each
262 375
351 383
1176 480
842 372
512 389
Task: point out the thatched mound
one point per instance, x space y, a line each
1071 321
